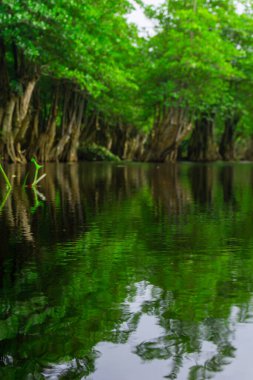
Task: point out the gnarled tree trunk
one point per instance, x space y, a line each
47 139
22 119
249 150
171 126
202 146
226 148
7 133
67 145
15 105
127 142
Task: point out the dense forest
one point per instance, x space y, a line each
77 77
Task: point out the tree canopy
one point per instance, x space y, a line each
79 71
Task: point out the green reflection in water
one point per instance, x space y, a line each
71 272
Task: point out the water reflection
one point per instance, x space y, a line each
226 177
125 271
201 178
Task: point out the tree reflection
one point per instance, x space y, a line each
201 178
70 269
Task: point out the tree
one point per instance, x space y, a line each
41 40
188 51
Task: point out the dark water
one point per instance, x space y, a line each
128 272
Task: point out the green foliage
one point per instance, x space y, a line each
68 40
16 87
7 181
95 152
36 180
193 59
199 58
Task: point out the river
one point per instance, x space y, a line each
127 271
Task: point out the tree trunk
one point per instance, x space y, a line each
33 136
170 128
75 132
4 78
1 115
15 123
15 105
227 141
23 104
47 139
74 143
134 146
249 151
202 146
7 135
67 146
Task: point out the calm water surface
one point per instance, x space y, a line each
128 272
